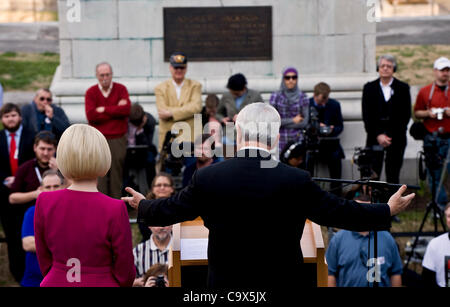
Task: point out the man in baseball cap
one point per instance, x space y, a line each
178 59
442 63
177 99
433 107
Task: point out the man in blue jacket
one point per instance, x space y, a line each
328 113
41 114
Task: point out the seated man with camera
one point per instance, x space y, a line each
331 125
432 106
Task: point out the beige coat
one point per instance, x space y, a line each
183 110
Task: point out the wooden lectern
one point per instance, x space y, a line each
194 235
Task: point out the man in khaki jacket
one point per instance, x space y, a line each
177 100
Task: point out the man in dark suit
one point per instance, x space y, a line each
41 114
16 147
260 208
386 110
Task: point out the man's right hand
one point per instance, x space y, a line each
100 109
135 198
384 140
397 203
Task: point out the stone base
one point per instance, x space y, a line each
69 94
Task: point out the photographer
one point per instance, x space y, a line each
432 105
331 125
157 276
386 111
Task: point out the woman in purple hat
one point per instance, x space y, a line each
293 106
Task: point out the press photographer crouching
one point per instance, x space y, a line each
432 106
329 117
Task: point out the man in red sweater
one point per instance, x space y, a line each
433 107
107 107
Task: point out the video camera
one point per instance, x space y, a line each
169 162
312 130
363 157
433 159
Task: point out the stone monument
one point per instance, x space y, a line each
330 41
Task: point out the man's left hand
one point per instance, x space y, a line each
397 203
135 198
123 102
48 111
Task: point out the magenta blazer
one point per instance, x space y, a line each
83 239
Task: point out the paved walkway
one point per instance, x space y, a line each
414 31
29 37
43 36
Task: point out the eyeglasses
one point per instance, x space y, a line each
45 98
162 185
290 77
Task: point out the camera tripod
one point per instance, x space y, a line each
432 205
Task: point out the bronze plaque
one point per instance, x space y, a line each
219 33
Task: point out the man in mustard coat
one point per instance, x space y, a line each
177 100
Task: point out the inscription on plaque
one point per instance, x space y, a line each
219 33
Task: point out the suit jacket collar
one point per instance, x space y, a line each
254 152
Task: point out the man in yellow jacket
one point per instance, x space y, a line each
177 100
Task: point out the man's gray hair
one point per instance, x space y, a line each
259 122
42 90
101 64
387 57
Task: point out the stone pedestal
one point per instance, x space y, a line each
325 40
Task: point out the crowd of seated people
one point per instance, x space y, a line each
28 141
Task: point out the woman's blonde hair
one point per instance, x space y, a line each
83 153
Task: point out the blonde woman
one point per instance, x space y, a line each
83 237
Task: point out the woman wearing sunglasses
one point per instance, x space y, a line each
293 106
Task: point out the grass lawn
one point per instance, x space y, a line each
415 63
30 71
27 71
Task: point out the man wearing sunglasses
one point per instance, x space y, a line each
178 99
41 114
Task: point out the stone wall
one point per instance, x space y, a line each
317 36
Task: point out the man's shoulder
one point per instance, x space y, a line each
26 107
425 89
163 84
120 86
401 84
236 164
92 90
57 108
27 165
372 84
441 240
253 93
191 82
333 102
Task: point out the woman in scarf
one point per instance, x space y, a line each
293 106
